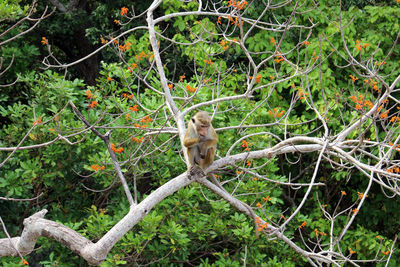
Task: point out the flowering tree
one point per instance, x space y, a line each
301 116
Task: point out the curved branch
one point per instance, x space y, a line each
94 253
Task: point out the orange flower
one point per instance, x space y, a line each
353 78
24 262
96 167
145 119
117 150
316 232
275 113
259 205
315 57
355 211
248 163
124 11
38 121
305 43
191 89
384 114
267 198
134 108
258 78
368 103
207 80
209 62
351 251
138 140
361 195
44 41
237 4
143 54
255 178
110 79
88 94
387 252
303 225
302 95
359 46
343 193
181 78
170 86
224 44
278 59
319 233
133 67
93 104
394 119
136 125
245 145
125 95
219 20
272 41
116 21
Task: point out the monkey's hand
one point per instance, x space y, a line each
195 172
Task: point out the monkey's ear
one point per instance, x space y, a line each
193 120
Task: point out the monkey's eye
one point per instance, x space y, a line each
193 120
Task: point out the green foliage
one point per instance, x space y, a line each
11 10
191 225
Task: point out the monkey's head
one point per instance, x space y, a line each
202 122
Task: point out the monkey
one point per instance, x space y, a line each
201 143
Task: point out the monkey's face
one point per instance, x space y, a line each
201 124
202 129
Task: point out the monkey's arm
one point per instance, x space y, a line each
209 142
191 138
191 142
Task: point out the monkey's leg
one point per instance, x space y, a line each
196 172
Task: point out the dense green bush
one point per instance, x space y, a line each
194 226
